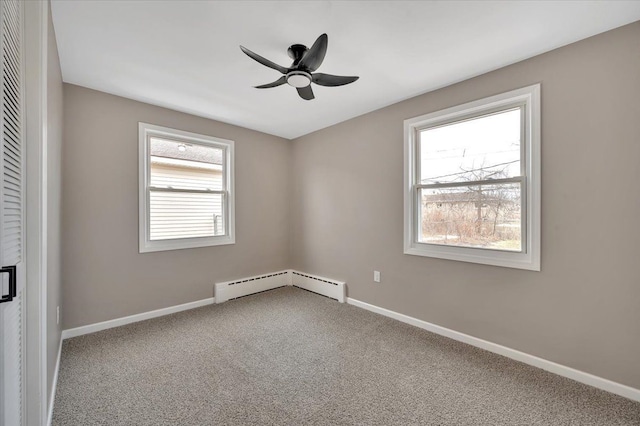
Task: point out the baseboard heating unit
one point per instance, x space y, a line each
330 288
245 286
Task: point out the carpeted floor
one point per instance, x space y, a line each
290 357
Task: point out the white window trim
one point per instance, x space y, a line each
529 258
145 131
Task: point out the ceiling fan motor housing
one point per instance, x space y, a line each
296 52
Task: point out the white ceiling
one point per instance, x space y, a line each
184 55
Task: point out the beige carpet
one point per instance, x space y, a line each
290 357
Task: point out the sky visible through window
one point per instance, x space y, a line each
481 148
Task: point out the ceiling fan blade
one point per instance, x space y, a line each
314 56
306 93
279 82
264 61
332 80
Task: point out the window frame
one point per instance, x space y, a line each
529 258
145 132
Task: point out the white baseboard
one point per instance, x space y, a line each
561 370
92 328
54 384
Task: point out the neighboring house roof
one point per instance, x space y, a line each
200 153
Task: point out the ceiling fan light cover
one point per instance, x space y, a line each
298 79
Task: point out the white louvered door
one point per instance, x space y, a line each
11 213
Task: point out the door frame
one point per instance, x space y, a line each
35 395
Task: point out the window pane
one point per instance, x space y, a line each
482 216
185 166
486 147
185 215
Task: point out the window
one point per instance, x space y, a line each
472 182
186 189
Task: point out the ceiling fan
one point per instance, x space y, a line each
301 72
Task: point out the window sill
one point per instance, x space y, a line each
166 245
473 255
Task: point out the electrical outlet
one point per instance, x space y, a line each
376 276
58 315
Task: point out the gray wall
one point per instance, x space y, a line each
104 275
54 191
583 309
